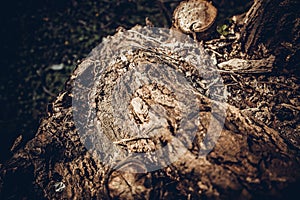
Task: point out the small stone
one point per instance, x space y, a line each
59 186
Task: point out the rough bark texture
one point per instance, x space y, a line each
255 157
274 24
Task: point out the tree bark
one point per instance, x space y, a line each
256 156
274 24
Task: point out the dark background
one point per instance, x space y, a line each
37 34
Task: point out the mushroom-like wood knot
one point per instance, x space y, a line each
194 16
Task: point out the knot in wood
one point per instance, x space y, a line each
194 16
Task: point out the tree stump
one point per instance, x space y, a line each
134 119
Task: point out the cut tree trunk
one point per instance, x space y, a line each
255 157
